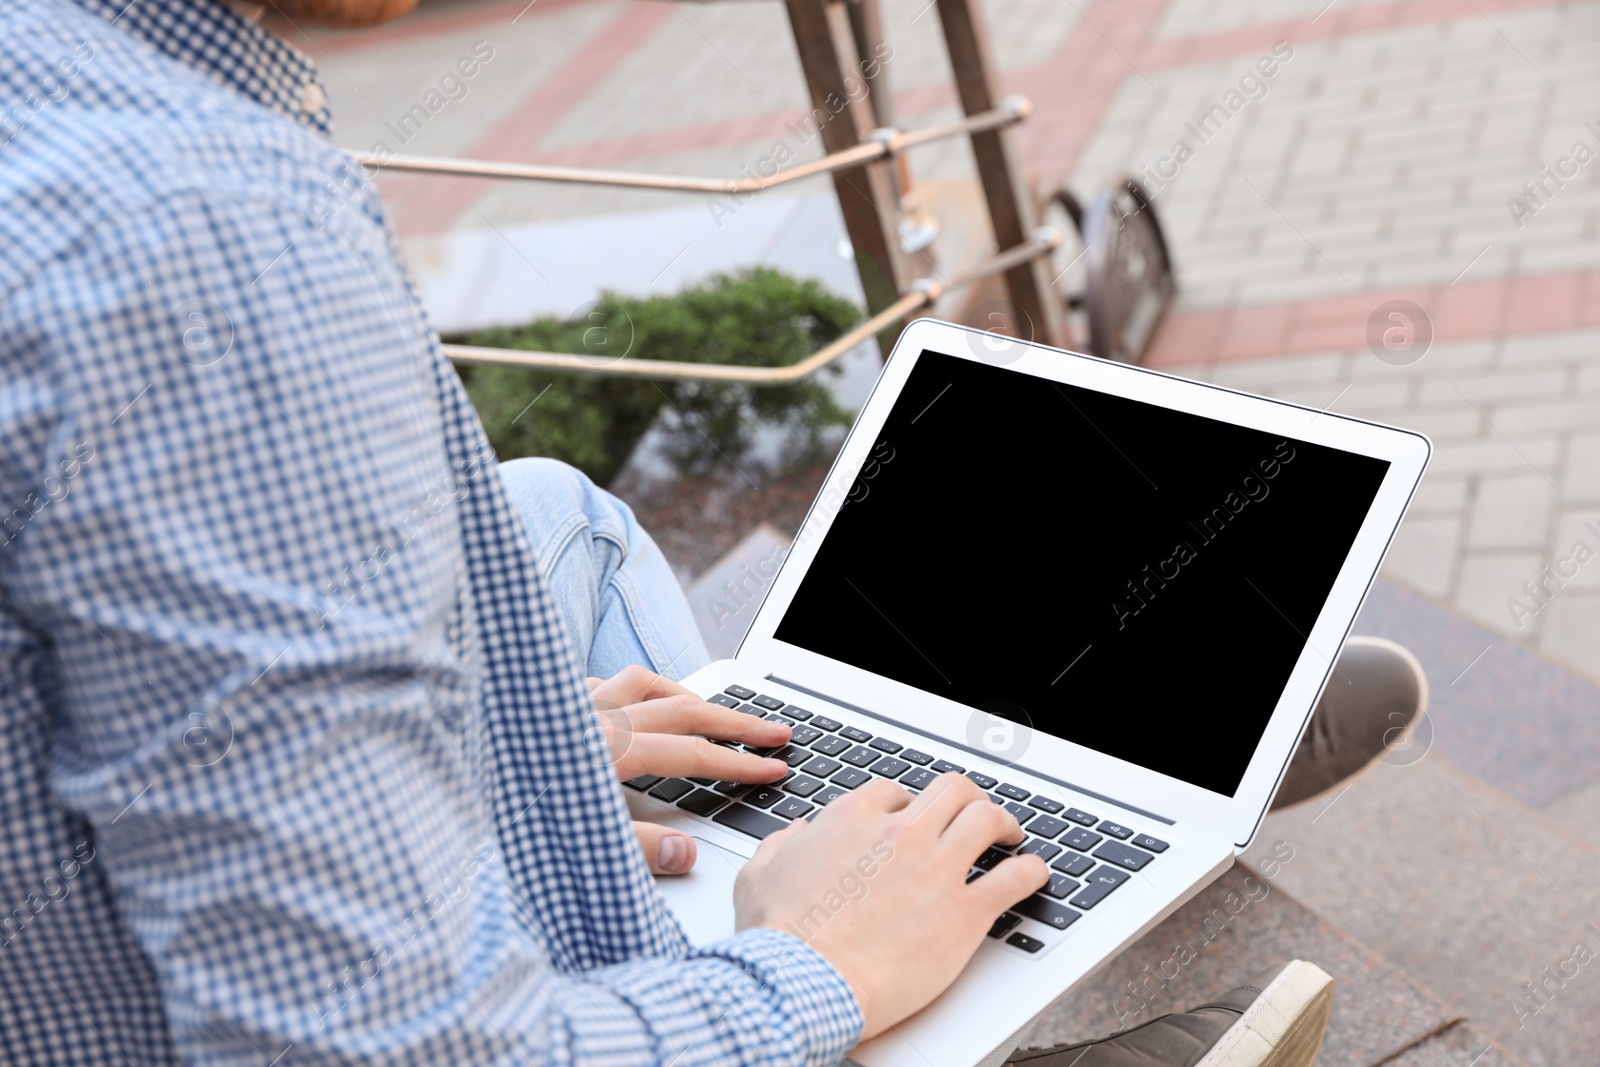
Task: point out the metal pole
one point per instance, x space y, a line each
1011 209
868 198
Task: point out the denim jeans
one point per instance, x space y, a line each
617 598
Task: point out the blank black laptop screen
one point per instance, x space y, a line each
1131 578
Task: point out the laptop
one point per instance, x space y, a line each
1109 596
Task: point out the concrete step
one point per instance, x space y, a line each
1243 924
1457 1045
1486 901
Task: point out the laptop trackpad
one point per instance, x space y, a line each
703 899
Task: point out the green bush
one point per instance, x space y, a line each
756 317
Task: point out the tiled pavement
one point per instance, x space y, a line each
1383 160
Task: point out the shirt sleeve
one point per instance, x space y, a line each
220 419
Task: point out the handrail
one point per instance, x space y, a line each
923 293
884 143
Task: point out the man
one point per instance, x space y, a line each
299 760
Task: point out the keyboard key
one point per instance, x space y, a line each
831 746
1012 792
793 808
1043 849
764 701
1046 805
797 713
850 778
773 716
1060 887
804 735
1073 864
1025 943
702 802
740 691
706 782
801 786
672 790
1116 830
944 766
995 800
791 755
748 820
763 796
829 794
1151 843
860 756
822 766
983 780
1081 839
921 759
854 733
1018 812
1046 826
751 709
1044 910
1004 925
921 778
643 782
822 722
883 744
990 859
732 789
890 767
1123 856
724 700
1098 886
1081 817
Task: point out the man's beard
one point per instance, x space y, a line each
343 13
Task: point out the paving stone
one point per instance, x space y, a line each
1236 928
1570 628
1580 479
1448 495
1424 553
1511 512
1489 580
1413 860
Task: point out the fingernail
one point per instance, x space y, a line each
673 856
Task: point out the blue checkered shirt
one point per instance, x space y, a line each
293 761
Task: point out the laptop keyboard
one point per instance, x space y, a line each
1089 857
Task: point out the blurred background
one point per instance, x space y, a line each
1388 208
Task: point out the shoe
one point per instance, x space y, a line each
1277 1020
1374 700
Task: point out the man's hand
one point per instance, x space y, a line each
653 725
877 885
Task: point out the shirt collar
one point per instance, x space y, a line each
211 38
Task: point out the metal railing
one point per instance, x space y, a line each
884 144
923 294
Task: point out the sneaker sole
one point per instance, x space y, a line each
1283 1027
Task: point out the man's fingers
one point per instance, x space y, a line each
633 684
687 714
1011 880
666 851
976 827
946 795
673 756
